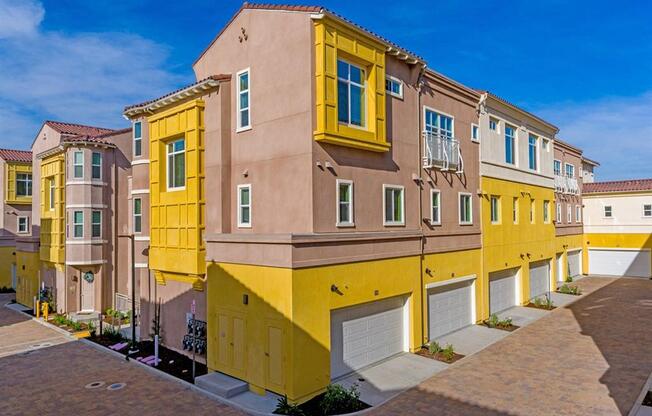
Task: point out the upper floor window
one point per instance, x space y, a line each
569 213
647 210
439 123
96 224
78 165
532 152
475 132
466 209
435 206
394 205
96 165
244 105
138 215
558 213
556 167
244 206
138 138
495 210
493 124
510 152
608 212
394 86
23 225
515 210
78 224
176 166
23 184
570 170
51 194
546 212
344 203
351 96
532 211
578 213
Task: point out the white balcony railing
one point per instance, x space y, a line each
573 187
442 152
566 185
560 184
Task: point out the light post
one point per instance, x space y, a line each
133 291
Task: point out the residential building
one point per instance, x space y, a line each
588 166
618 227
567 167
15 209
517 186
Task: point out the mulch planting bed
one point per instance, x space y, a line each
424 352
172 362
312 407
544 307
508 328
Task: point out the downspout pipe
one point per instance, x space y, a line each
420 184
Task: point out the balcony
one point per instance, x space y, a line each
442 152
566 185
573 187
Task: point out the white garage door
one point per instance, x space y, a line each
539 278
502 290
449 308
362 335
633 263
574 262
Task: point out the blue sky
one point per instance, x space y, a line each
584 66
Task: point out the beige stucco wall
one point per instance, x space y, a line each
567 201
627 214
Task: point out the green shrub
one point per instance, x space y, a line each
448 352
570 290
283 407
76 326
492 322
339 400
60 320
434 347
112 334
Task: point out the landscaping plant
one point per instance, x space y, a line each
284 407
495 322
339 400
569 290
434 348
448 352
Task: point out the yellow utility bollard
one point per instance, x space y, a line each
38 309
45 310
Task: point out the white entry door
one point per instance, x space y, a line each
450 307
539 278
620 262
574 263
502 290
365 334
87 293
560 268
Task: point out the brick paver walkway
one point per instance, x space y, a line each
50 381
589 358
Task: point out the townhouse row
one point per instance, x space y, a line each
322 197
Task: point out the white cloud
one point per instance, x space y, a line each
80 78
19 17
615 131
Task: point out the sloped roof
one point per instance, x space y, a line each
590 161
77 129
11 155
506 102
99 139
629 185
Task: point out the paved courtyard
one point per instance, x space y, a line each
590 357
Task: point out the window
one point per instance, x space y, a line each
435 207
244 206
475 132
24 184
558 213
556 166
78 165
515 210
351 96
546 212
438 123
493 124
578 213
244 106
176 164
532 211
510 154
394 86
23 225
569 213
78 224
138 138
495 210
96 224
138 215
96 165
344 203
466 214
647 210
608 212
394 205
570 170
532 152
52 194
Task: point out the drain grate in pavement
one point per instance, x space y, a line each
116 386
94 385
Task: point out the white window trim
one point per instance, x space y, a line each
432 193
491 209
516 210
240 128
561 167
364 85
647 216
399 81
459 208
52 193
394 223
351 223
477 127
566 174
578 213
537 152
558 213
441 113
137 138
74 164
93 165
26 181
533 211
94 223
167 165
546 212
133 210
491 118
22 217
240 223
514 146
74 224
569 213
611 211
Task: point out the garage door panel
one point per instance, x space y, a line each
539 278
449 308
574 261
502 290
634 263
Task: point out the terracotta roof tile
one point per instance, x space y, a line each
11 155
77 129
100 138
618 186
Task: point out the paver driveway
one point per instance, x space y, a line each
592 357
51 380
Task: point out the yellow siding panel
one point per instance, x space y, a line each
11 170
53 222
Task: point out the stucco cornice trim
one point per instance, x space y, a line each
297 239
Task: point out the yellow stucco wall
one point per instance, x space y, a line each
53 222
508 245
564 244
12 169
613 240
7 259
280 340
27 277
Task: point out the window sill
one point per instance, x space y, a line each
394 224
345 225
465 223
242 129
177 189
245 226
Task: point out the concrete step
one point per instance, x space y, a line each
221 384
84 317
